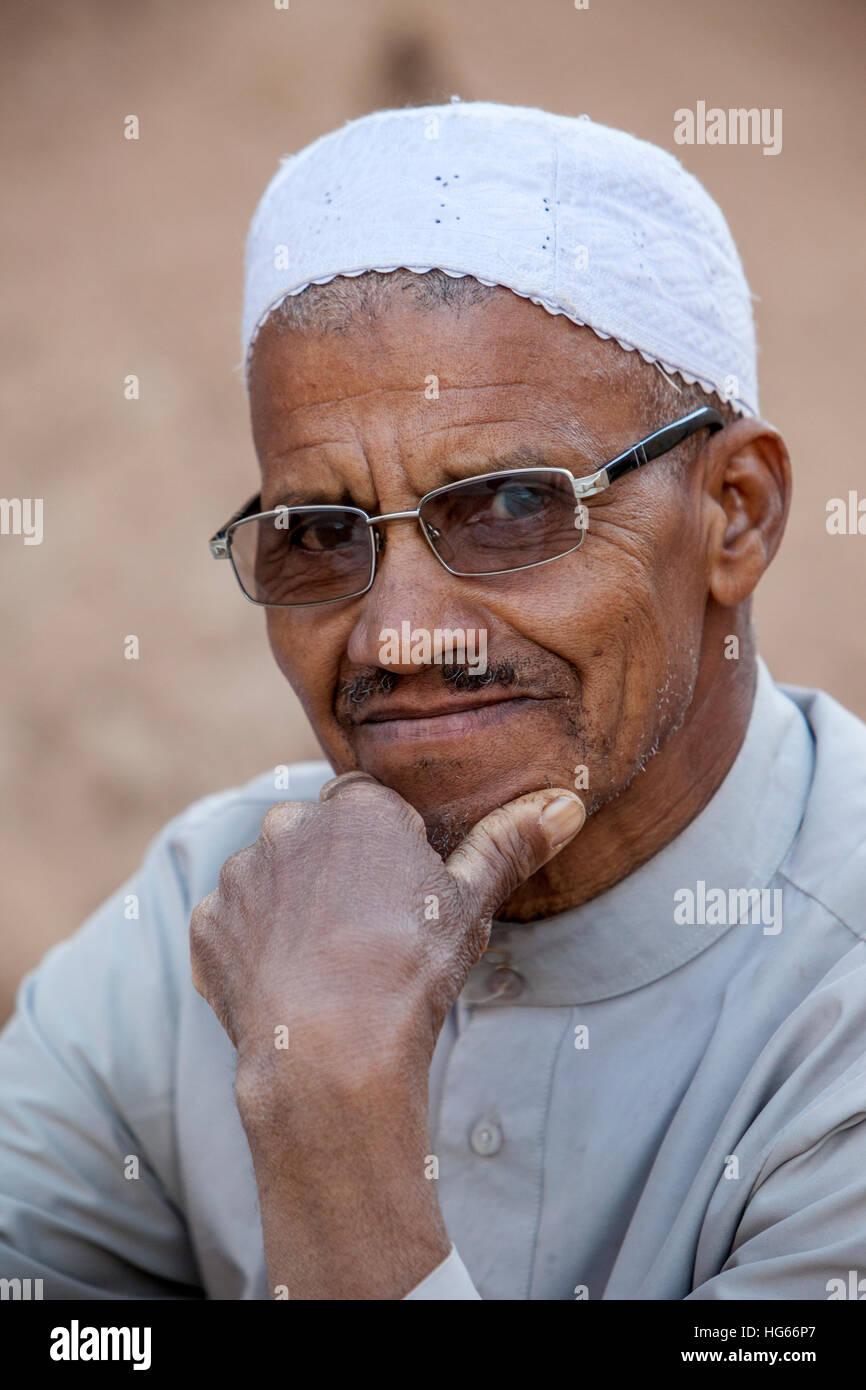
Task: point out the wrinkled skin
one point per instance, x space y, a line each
613 658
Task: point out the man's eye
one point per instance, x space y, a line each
322 534
517 500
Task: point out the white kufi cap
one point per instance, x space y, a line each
586 220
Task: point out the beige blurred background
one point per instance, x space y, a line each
125 257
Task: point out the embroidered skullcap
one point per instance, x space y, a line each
586 220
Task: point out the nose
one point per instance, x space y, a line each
412 593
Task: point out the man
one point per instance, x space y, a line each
468 331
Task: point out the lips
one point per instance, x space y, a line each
383 713
396 725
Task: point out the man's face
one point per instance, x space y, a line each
593 657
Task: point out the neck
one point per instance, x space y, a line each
661 801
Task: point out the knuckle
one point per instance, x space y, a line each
343 781
278 819
365 794
359 789
202 944
233 875
201 918
198 976
412 818
507 847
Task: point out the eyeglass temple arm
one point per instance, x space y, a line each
218 544
650 448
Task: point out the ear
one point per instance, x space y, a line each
748 478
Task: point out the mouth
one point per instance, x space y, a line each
441 720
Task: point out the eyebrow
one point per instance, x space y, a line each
308 497
524 456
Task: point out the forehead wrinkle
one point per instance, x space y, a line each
278 408
576 432
274 458
281 425
279 412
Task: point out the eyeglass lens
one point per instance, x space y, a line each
292 557
504 523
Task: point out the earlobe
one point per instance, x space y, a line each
753 491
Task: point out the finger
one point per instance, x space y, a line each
510 844
345 780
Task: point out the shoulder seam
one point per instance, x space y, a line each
858 937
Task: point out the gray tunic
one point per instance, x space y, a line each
658 1095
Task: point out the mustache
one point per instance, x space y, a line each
456 677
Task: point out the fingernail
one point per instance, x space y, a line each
562 818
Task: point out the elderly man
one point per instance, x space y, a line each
550 983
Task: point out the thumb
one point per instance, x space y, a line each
510 844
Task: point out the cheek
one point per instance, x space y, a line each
604 612
627 615
653 602
307 649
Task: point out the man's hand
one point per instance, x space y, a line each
332 952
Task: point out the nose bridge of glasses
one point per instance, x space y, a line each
373 524
393 516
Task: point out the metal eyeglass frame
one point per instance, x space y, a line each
652 447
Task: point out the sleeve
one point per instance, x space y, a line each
802 1234
90 1196
450 1280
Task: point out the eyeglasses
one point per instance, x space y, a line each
296 557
